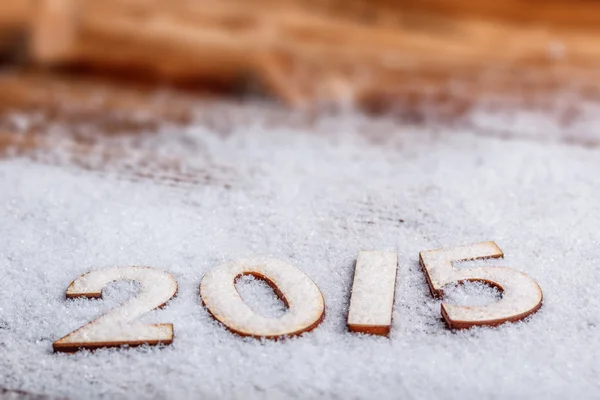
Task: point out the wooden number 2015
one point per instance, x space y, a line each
119 326
371 300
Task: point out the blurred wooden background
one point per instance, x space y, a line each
89 68
375 54
99 67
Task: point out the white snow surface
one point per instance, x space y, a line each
313 199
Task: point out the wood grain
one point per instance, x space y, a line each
307 54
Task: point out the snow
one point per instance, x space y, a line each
260 297
312 198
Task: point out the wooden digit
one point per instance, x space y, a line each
521 295
306 306
372 296
119 327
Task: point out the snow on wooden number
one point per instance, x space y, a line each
372 296
306 307
521 296
119 326
370 309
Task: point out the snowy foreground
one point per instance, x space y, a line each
313 200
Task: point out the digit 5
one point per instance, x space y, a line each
521 296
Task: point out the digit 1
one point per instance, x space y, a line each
372 297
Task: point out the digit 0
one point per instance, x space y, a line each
306 307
